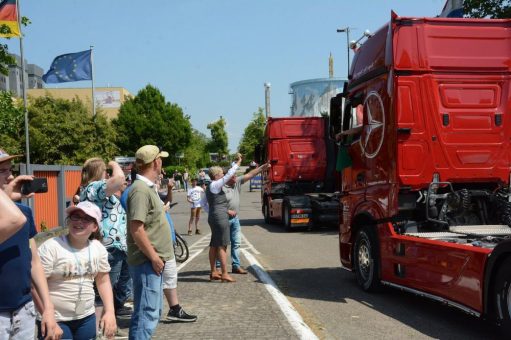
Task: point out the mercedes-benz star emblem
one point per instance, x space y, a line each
373 133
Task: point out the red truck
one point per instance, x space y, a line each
299 188
426 200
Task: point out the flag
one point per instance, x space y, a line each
70 67
9 18
452 9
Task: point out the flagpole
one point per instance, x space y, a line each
24 94
92 78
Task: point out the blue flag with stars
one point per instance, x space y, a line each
70 67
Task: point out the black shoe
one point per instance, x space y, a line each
123 311
180 316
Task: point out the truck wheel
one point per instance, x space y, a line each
286 216
366 260
502 295
266 211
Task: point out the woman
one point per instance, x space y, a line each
71 264
100 189
218 220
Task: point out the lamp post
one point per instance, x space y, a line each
347 30
267 99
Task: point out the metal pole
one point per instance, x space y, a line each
24 94
267 99
92 79
347 30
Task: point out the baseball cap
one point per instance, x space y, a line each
149 153
89 208
4 156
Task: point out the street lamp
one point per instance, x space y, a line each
267 99
347 30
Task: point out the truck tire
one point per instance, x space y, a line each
502 295
286 216
266 211
366 262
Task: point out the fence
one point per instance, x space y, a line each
49 208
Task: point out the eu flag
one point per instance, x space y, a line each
70 67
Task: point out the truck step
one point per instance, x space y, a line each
481 230
434 235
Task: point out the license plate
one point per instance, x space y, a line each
299 216
299 220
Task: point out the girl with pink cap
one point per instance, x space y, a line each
72 263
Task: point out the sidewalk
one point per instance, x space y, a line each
239 310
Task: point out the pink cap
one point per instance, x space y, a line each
89 208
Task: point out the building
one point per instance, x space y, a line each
14 80
108 99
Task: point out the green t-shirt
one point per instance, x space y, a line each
144 205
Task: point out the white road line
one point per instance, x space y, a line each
195 254
294 318
250 246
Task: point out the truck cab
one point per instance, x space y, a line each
298 188
426 195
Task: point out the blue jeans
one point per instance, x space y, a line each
235 229
18 324
147 301
119 276
75 329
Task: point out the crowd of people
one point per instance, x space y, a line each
118 248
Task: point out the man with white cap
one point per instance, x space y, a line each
21 268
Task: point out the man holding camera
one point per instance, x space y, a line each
21 268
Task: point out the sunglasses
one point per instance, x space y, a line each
86 219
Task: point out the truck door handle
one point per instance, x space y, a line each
361 177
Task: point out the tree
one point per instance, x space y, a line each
64 132
11 124
148 119
252 135
196 154
493 9
219 140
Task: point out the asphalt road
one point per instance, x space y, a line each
306 267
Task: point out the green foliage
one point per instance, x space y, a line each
219 140
493 9
148 119
11 124
64 132
252 136
196 154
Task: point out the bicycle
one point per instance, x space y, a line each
181 251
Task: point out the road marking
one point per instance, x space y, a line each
250 246
294 318
195 254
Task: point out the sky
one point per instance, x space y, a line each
211 57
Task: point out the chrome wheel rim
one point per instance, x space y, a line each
364 260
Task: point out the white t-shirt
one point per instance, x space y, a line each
195 195
66 270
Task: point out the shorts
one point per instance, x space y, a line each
170 274
195 212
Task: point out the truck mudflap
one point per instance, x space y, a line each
325 210
297 211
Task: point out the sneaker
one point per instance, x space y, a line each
189 233
180 316
120 334
197 232
124 310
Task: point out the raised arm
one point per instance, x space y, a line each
11 218
255 171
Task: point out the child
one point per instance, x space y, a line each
194 196
71 264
